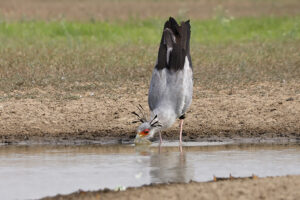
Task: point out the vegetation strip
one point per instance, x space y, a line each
214 31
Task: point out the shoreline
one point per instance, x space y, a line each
237 188
75 139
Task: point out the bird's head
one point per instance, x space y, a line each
147 129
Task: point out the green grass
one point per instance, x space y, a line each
219 30
78 57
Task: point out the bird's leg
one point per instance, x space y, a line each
159 148
160 142
180 134
160 138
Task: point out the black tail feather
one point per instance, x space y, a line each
180 45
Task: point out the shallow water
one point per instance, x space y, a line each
29 172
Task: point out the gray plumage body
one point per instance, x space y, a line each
170 93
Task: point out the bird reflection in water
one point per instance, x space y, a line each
169 167
166 167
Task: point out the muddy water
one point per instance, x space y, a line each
29 172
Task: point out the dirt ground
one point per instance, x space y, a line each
262 110
259 111
259 188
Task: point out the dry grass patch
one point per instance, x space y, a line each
216 67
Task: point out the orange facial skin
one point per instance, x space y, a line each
144 133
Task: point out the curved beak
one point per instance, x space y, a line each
140 135
137 136
141 139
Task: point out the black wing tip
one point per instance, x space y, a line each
172 20
172 24
180 49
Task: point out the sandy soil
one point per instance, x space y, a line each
264 110
259 188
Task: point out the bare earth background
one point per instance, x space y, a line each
246 89
126 9
264 110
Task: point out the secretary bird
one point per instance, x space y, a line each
171 87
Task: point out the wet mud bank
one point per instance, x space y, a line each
246 188
104 138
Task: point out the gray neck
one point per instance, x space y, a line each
165 115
